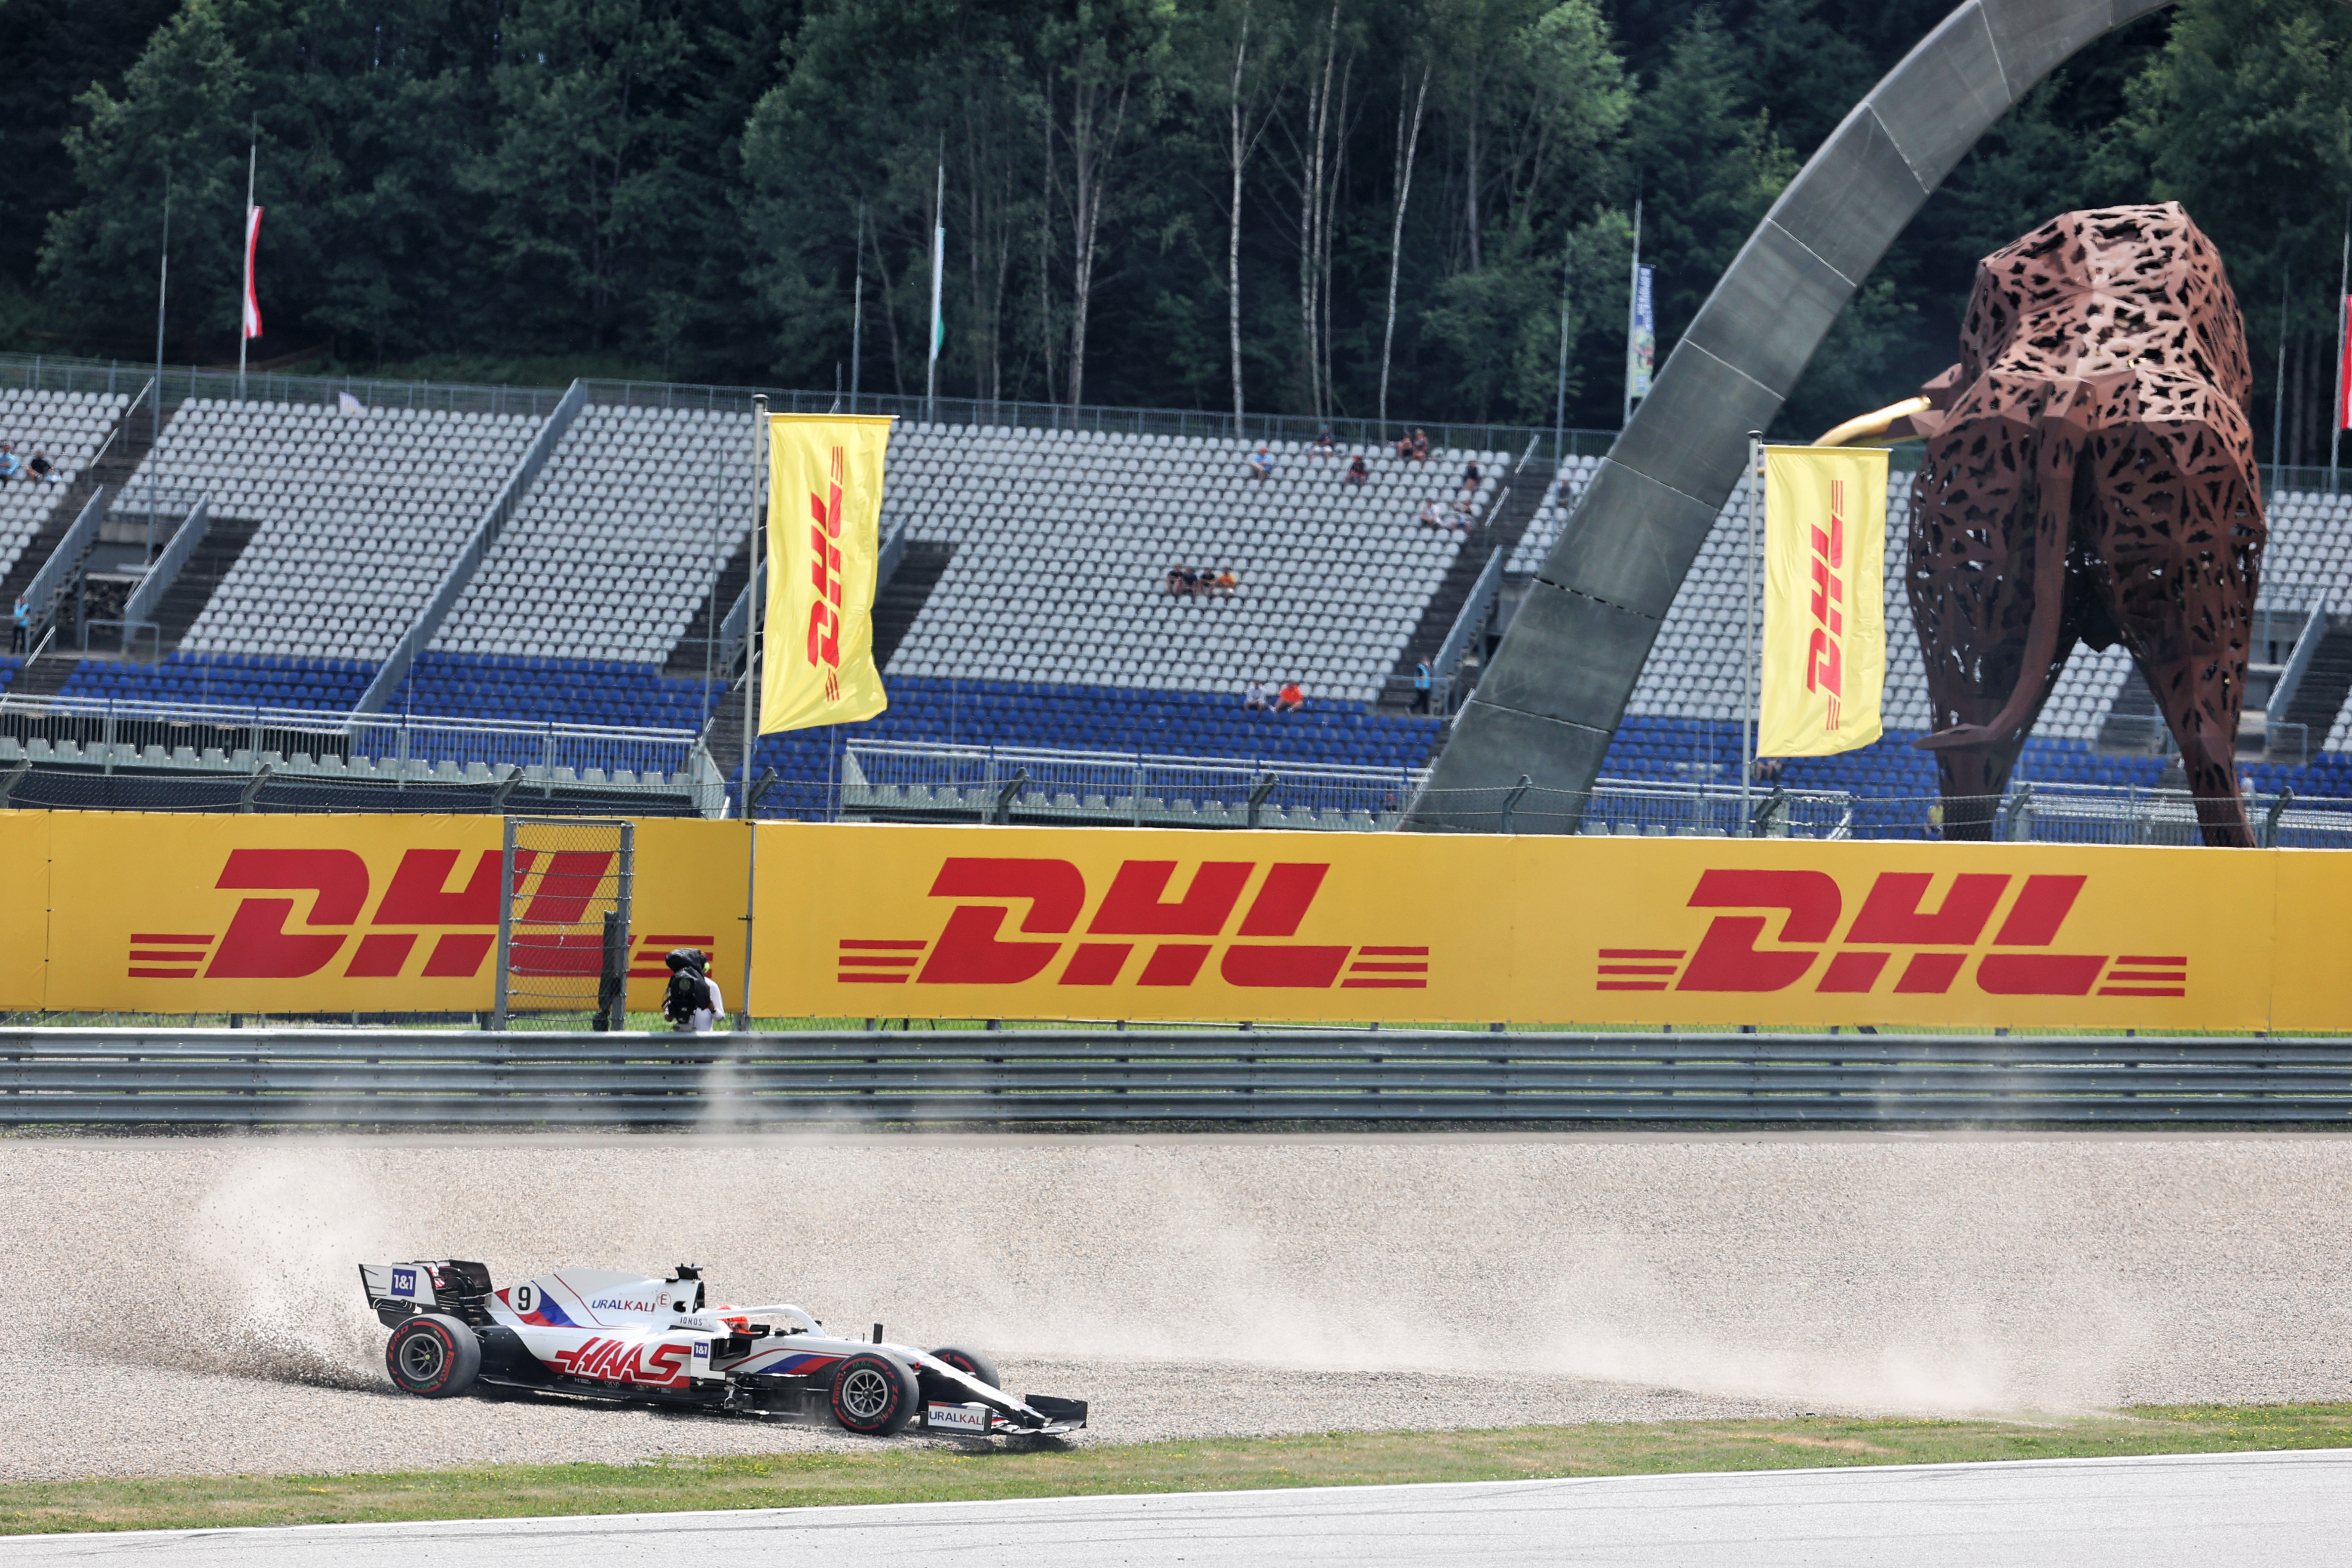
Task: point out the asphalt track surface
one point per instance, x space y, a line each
191 1306
2279 1510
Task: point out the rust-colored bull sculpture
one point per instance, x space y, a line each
2089 476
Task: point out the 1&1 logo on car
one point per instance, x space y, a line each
1184 933
403 1282
1937 947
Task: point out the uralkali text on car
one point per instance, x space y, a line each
599 1334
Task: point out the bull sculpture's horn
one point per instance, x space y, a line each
1890 426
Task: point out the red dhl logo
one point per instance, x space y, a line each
626 1360
970 952
1892 919
1825 656
825 572
257 945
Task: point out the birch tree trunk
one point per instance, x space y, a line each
1329 224
1408 139
1310 211
1094 130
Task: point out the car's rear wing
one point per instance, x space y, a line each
399 1290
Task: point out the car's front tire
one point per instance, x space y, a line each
875 1394
971 1363
433 1355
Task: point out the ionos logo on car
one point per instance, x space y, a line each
1135 913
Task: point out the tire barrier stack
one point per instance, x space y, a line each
255 1077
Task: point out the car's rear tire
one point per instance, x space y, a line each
433 1355
875 1394
971 1363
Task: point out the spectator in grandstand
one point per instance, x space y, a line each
41 469
1470 476
1464 508
1259 696
1423 678
1419 444
1356 473
20 624
1769 769
1292 699
1325 444
1175 583
8 462
1227 581
1450 517
1404 448
1261 467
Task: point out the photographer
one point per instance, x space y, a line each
692 1002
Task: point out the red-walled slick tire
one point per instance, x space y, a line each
874 1394
433 1356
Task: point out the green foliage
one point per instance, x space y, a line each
887 1473
677 186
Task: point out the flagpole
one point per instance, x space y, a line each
2342 356
1748 673
243 321
939 275
858 312
756 622
1560 394
753 625
163 298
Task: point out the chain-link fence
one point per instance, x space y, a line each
563 918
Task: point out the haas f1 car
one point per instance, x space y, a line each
598 1334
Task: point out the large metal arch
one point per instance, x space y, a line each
1553 695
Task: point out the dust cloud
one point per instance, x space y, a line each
1867 1274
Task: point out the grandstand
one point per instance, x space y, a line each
1033 616
620 540
72 428
1051 625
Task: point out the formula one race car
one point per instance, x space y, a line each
597 1335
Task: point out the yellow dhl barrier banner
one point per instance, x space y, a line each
824 510
124 913
324 914
1141 924
1824 656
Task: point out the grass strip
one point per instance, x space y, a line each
937 1474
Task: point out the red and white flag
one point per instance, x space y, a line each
252 303
2343 370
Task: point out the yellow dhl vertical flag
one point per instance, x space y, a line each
1825 599
824 524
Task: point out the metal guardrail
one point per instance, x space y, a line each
50 582
201 738
65 374
259 1078
1471 618
146 598
495 518
912 780
2298 662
